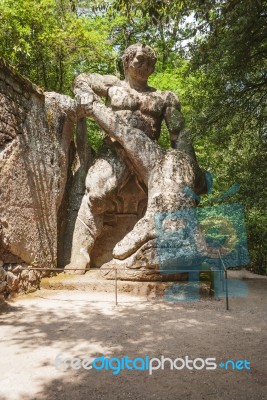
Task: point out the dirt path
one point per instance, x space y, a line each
35 329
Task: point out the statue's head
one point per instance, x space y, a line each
139 61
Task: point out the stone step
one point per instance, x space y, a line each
93 281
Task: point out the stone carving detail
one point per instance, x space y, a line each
36 131
132 120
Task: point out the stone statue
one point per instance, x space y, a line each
131 118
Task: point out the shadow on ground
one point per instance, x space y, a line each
35 330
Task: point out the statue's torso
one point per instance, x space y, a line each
142 110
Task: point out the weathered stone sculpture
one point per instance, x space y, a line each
132 119
42 174
36 131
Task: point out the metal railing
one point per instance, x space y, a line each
169 271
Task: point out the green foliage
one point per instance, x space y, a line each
243 160
49 42
95 135
231 53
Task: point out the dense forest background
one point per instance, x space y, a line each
211 53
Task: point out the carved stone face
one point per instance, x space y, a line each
138 64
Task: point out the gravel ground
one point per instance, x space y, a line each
36 328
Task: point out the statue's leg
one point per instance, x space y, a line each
88 225
103 178
174 172
142 232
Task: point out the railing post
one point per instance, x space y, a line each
226 290
116 288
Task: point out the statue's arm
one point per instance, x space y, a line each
97 83
180 137
173 117
142 151
93 83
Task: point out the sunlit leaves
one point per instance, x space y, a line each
49 42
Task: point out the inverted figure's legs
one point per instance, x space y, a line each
102 181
